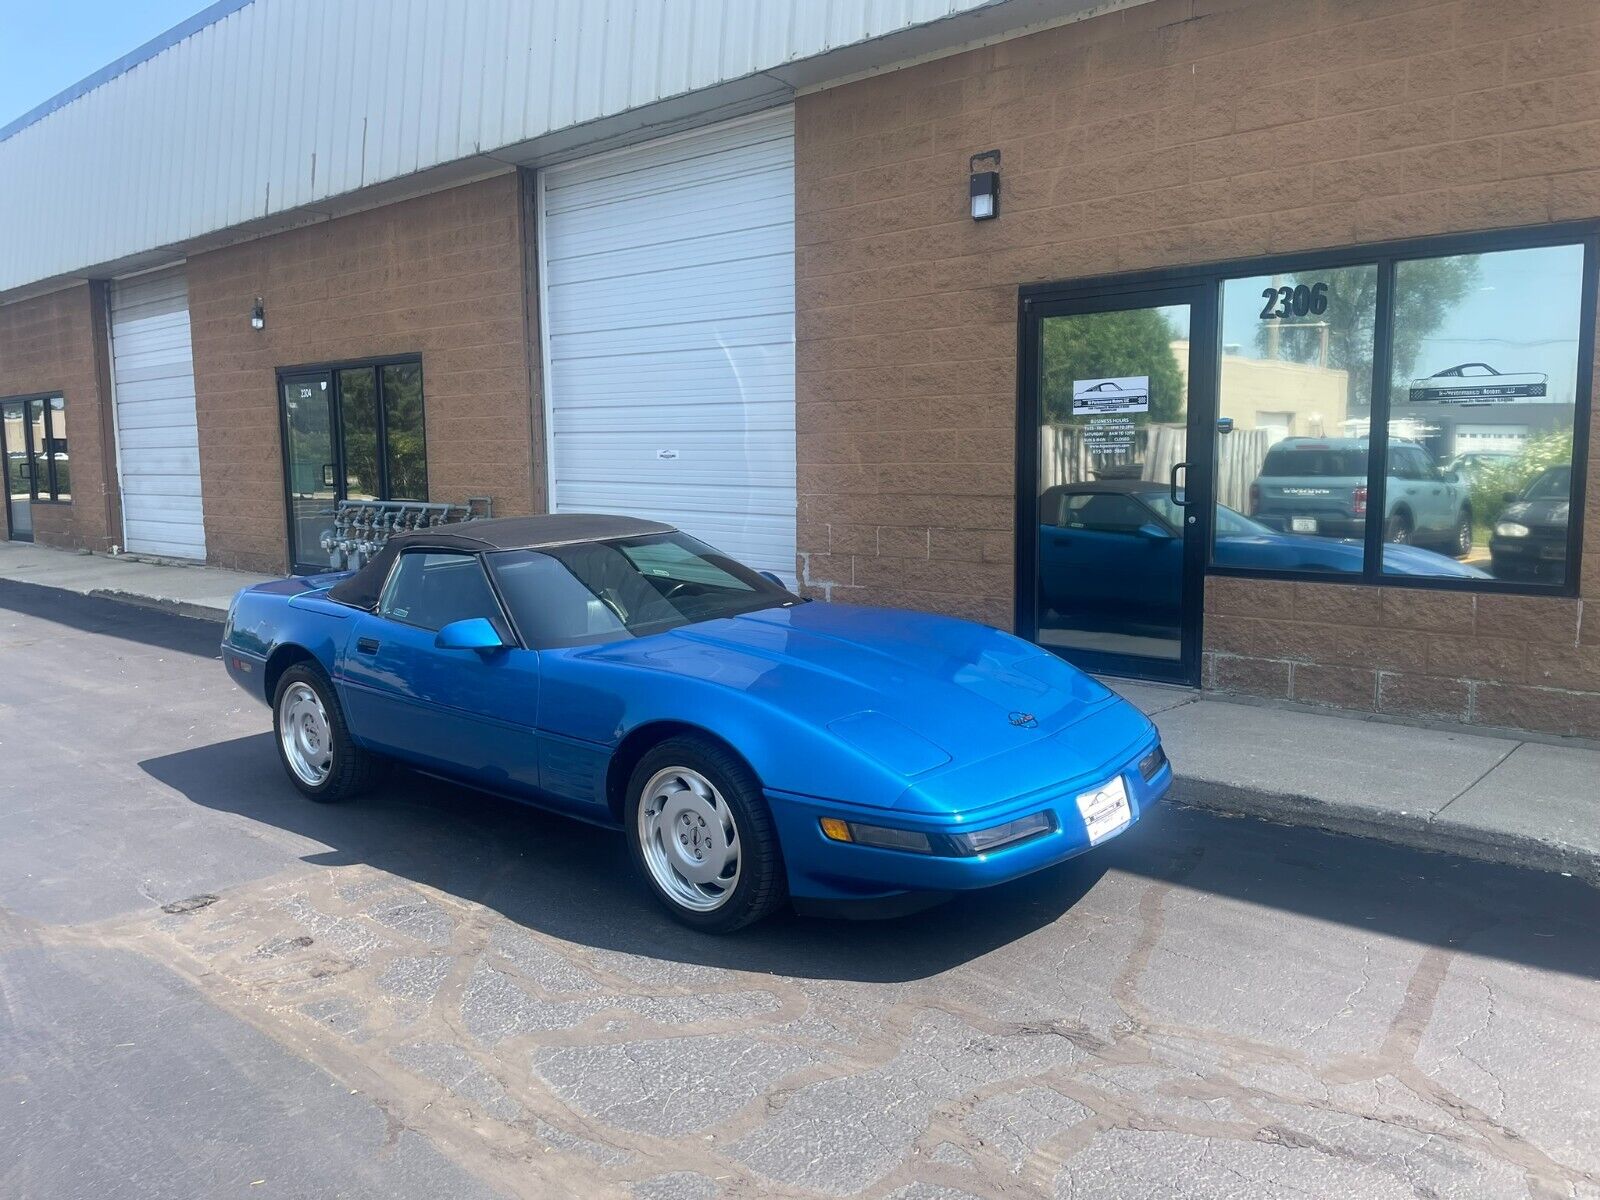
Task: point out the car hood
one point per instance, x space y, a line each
1301 552
914 691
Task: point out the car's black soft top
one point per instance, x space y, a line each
500 533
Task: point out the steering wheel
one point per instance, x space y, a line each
616 608
675 589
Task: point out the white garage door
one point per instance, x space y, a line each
1504 439
158 449
668 275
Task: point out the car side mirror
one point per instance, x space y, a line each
475 633
1452 476
1152 532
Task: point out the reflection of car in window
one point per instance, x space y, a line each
1319 486
1530 537
1466 383
1115 546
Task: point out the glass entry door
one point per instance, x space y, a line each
1114 519
312 465
21 437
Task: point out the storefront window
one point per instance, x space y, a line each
1482 410
351 432
406 445
358 399
1471 476
1294 403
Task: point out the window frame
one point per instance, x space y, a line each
44 400
334 371
1385 256
507 625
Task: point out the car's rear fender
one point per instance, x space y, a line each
273 625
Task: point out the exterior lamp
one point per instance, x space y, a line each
258 315
983 187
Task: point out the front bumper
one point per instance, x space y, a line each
821 869
1530 558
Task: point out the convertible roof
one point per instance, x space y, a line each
501 533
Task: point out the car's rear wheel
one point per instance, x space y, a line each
1397 529
1463 539
314 743
700 834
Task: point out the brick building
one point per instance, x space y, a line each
1271 372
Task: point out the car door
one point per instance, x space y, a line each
468 713
1444 496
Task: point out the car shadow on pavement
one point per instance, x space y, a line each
113 618
572 881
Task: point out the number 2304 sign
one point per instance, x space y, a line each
1283 303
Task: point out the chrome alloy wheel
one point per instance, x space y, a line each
305 734
689 838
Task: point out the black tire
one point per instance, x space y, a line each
351 770
1462 545
1397 529
762 885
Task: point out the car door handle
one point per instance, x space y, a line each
366 645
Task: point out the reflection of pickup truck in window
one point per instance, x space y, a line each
1319 486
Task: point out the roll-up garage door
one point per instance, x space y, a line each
158 449
668 275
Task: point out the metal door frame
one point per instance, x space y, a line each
336 445
1032 307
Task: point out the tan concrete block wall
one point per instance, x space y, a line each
56 343
1174 133
439 276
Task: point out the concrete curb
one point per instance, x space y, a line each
1415 830
177 608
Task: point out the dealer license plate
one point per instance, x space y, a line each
1303 524
1105 811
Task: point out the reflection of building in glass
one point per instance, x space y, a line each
1269 400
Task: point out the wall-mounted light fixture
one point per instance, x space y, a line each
258 315
984 186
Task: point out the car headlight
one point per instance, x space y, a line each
980 840
965 844
1512 529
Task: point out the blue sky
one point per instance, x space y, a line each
48 45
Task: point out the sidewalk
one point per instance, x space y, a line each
1532 802
1529 801
202 592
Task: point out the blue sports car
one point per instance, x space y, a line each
752 746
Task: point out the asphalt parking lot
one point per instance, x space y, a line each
210 987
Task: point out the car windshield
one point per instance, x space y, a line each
1552 485
595 592
1314 461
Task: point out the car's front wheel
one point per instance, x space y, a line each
1397 530
314 744
700 834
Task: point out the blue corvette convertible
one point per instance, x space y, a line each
751 745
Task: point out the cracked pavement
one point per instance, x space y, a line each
436 993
